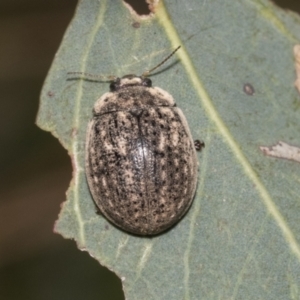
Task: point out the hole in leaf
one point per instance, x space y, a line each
288 4
139 6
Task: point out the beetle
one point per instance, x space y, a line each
141 163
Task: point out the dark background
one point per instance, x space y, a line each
35 170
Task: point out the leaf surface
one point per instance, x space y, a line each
241 238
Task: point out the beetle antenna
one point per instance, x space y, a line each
93 76
146 73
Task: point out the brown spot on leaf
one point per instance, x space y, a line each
249 89
136 25
50 94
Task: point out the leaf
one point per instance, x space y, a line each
240 239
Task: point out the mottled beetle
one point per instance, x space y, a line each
141 164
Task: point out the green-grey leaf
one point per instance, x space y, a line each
240 239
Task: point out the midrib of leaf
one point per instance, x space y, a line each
163 18
76 122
